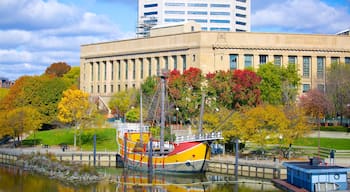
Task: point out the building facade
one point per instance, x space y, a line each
213 15
115 66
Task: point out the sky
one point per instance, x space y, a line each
36 33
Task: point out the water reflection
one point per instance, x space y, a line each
14 179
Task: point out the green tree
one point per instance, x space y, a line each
122 102
74 108
73 77
3 92
279 85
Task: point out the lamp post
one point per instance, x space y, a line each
280 137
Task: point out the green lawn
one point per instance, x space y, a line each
105 138
340 144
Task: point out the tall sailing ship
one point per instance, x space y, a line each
139 151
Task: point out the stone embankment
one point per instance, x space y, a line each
49 166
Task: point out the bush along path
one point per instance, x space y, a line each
49 166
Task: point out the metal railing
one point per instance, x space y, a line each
200 137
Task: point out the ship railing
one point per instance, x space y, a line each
200 137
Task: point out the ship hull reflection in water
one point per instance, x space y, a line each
140 181
14 179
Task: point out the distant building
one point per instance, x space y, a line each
212 15
5 83
110 67
344 32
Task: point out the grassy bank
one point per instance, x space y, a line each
340 144
105 138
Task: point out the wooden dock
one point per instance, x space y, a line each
282 184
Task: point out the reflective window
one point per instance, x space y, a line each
150 5
248 61
219 5
219 13
141 68
175 61
199 21
126 69
174 20
175 4
197 12
242 1
347 60
240 23
240 15
233 61
306 87
197 4
150 13
175 12
241 8
219 29
306 66
292 60
335 60
277 59
240 30
219 21
263 59
184 62
320 67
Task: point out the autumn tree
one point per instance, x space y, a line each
338 88
72 77
279 84
21 120
74 108
317 106
57 69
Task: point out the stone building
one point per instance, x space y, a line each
109 67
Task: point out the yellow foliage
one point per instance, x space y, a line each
73 106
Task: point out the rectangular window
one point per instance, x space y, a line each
292 60
173 20
240 15
248 61
112 88
219 13
220 5
158 66
133 69
150 5
92 70
126 69
334 60
112 70
184 63
243 1
347 60
197 5
119 69
104 88
219 29
150 13
98 71
241 8
277 60
306 88
166 62
149 67
306 66
98 88
320 67
170 4
105 70
240 23
240 30
197 12
263 59
219 21
118 88
199 20
175 61
141 68
91 89
233 61
175 12
204 28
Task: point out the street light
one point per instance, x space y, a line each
280 137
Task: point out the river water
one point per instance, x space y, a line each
15 180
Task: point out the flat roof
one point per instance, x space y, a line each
306 167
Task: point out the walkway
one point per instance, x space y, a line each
331 134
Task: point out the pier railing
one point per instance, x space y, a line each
200 137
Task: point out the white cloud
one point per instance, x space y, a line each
312 16
36 33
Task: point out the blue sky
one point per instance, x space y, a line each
36 33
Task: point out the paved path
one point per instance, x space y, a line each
330 134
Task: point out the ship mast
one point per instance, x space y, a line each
162 111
